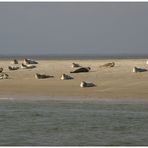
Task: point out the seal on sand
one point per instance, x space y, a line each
27 66
112 64
66 77
136 69
42 76
82 69
4 76
29 61
75 65
13 67
86 84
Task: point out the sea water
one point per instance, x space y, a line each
68 123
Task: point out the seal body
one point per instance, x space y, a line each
86 84
13 67
66 77
4 76
82 69
112 64
29 61
75 65
136 69
28 66
42 76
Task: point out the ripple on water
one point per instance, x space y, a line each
72 123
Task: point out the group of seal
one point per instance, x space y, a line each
28 64
135 69
68 77
12 67
82 70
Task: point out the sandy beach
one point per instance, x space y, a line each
116 82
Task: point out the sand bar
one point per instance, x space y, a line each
116 82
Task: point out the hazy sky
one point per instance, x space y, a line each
73 28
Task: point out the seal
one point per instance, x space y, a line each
136 69
112 64
86 84
13 67
82 69
75 65
27 66
66 77
29 61
4 76
42 76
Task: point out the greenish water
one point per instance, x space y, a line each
59 123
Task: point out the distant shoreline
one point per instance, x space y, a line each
72 57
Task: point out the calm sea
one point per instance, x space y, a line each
73 57
63 123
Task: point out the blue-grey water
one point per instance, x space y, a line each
73 56
62 123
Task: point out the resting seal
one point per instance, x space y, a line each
82 69
13 67
112 64
135 69
27 66
29 61
86 84
66 77
42 76
4 76
75 65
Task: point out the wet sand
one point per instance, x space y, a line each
117 82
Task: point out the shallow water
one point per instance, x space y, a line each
55 123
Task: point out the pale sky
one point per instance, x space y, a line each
74 28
